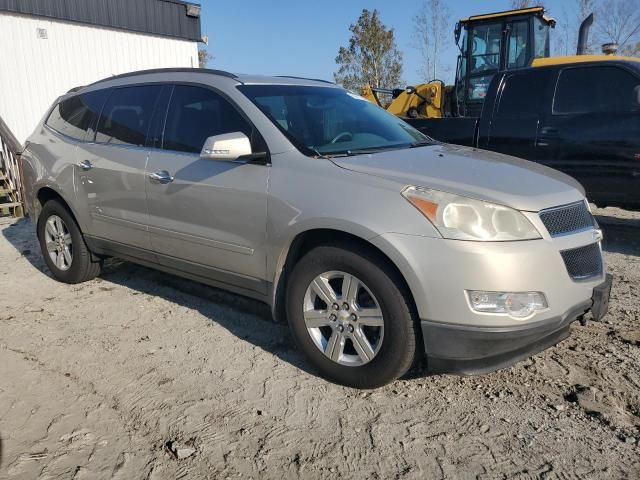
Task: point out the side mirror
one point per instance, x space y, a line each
226 147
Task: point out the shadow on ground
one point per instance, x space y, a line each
245 318
621 235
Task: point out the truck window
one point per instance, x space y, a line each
520 95
595 90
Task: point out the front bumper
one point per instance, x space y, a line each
477 350
458 339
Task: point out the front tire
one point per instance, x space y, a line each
351 316
63 247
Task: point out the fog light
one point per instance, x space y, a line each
514 304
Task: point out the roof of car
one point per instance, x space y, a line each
240 78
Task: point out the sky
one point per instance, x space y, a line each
302 38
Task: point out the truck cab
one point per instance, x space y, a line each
578 114
492 43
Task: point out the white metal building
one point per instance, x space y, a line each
48 47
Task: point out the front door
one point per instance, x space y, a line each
516 114
206 217
111 167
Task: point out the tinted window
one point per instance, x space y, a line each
197 113
520 95
126 115
595 90
75 115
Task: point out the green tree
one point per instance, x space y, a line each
204 58
372 57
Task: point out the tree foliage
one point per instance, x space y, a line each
431 30
372 56
204 58
618 21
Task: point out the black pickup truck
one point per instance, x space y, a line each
582 118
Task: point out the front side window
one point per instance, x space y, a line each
196 113
521 94
77 115
596 90
327 120
126 115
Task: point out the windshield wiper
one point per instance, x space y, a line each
327 156
423 143
366 151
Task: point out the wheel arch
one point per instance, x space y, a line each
306 240
45 193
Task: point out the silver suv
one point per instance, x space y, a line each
377 244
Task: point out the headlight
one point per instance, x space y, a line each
462 218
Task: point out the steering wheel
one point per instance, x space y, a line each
342 135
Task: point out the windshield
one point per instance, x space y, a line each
331 121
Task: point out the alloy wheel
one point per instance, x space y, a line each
59 243
343 318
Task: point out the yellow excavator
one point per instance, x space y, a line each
488 44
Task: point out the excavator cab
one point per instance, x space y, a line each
491 43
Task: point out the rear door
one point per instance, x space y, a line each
513 128
111 167
209 217
593 130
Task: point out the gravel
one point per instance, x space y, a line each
140 374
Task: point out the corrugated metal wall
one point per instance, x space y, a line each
159 17
34 71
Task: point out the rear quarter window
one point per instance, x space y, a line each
75 116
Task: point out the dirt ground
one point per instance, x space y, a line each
142 375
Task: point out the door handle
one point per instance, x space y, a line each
162 177
85 165
549 131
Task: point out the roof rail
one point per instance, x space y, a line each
221 73
305 78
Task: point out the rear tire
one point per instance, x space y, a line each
63 247
390 340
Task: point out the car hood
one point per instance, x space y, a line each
470 172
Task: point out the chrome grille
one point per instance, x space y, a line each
584 262
567 219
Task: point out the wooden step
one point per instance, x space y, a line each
10 204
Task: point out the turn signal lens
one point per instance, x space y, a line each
514 304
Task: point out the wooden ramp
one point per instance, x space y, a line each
11 194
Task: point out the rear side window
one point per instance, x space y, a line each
127 114
596 90
521 95
77 115
196 113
